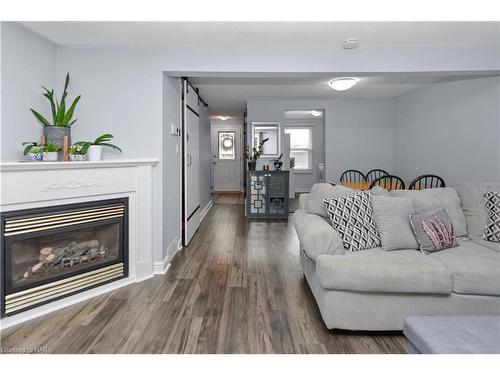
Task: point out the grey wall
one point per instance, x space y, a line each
359 134
171 166
205 157
28 61
451 129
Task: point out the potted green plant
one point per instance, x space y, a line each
62 116
33 150
93 149
256 153
76 153
50 151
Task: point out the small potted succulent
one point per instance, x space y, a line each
76 153
93 149
33 150
256 153
50 151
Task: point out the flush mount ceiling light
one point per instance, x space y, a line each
342 84
315 113
223 118
350 43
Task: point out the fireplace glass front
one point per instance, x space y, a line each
52 252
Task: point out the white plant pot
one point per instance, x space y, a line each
50 156
94 153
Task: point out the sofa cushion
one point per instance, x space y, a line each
475 268
376 270
392 216
490 245
316 235
429 201
321 191
380 191
472 199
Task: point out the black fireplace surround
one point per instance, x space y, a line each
52 252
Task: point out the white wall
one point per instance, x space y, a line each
28 61
359 134
451 129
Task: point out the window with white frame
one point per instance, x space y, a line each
301 146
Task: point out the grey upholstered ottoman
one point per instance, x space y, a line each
453 334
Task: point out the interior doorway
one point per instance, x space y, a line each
226 158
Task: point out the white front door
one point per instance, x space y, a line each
226 157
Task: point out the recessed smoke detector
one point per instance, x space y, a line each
350 43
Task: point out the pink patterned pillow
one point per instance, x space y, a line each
433 232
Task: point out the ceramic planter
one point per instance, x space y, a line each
251 165
35 156
77 157
56 134
50 156
94 153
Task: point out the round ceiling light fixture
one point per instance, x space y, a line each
351 43
223 118
316 113
343 83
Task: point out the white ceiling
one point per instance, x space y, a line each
228 95
270 34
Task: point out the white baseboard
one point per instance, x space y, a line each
205 210
161 267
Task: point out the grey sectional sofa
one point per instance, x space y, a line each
376 289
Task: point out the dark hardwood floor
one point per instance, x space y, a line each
237 288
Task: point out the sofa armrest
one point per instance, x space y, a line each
316 235
303 199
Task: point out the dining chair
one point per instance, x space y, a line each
427 181
389 182
375 173
352 175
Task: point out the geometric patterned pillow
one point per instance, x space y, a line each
492 230
352 216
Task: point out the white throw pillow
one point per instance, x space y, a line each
392 216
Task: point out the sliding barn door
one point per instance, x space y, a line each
191 126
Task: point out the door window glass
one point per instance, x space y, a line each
226 145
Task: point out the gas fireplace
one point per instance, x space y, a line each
52 252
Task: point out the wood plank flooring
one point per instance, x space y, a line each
237 288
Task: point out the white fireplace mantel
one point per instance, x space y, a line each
27 185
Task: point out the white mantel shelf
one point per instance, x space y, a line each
37 166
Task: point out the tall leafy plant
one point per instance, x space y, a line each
256 151
60 115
